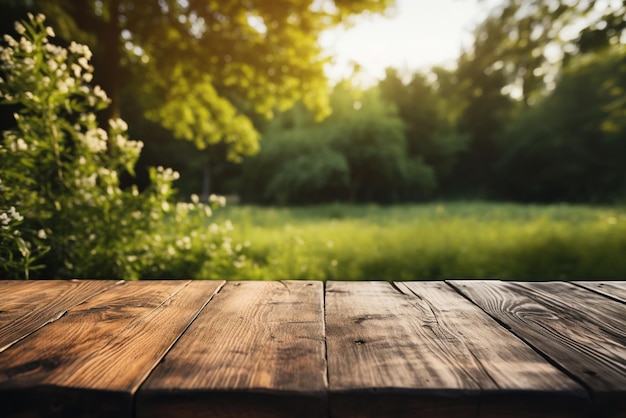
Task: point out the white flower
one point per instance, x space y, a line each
101 94
6 54
118 124
9 40
220 200
79 49
29 64
50 32
88 77
120 140
95 140
26 45
167 173
62 87
15 214
19 28
83 63
76 69
21 145
40 18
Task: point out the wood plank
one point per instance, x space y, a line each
26 306
615 290
515 380
579 330
404 351
90 362
257 350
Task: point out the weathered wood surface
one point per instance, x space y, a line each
26 306
309 349
581 331
615 290
91 362
435 354
257 350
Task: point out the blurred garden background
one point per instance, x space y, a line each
506 161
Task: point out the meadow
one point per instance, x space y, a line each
429 241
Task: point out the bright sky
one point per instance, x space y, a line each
418 35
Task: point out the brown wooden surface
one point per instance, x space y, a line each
434 354
579 330
515 380
285 349
103 347
256 350
615 290
26 306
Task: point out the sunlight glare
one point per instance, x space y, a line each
418 35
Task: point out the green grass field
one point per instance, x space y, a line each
430 241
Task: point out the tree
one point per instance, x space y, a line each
483 109
604 36
359 153
261 53
519 50
422 106
531 39
560 149
63 209
296 163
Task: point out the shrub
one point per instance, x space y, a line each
63 210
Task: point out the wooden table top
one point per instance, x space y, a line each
311 349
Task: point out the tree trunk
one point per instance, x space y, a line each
355 185
206 182
111 71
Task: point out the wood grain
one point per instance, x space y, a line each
26 306
266 349
91 361
423 350
615 290
257 349
515 380
579 330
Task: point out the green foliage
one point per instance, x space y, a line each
296 163
191 63
432 241
358 153
206 118
560 148
62 207
370 136
430 133
305 178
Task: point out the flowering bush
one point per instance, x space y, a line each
63 212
